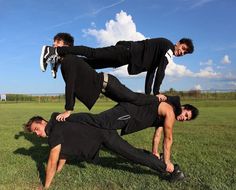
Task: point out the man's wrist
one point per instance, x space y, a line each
68 111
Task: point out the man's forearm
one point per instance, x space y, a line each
156 141
167 149
52 165
50 173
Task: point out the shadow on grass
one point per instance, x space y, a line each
38 152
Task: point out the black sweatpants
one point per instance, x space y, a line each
118 92
98 58
115 143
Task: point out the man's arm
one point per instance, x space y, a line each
60 165
156 140
166 111
160 73
52 165
149 80
69 76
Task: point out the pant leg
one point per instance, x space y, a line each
115 143
120 93
112 56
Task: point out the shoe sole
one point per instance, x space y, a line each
53 74
41 59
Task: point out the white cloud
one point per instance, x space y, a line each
220 67
233 83
226 60
208 62
107 7
123 73
200 3
122 28
93 24
197 87
176 70
230 76
173 69
208 72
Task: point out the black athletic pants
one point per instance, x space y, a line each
118 92
98 58
115 143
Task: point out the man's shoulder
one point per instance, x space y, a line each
165 108
162 43
161 39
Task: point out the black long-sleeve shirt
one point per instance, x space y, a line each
81 82
151 55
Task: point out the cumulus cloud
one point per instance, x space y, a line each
230 76
226 60
122 28
176 70
197 87
208 62
233 83
207 72
123 73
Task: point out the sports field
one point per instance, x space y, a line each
204 148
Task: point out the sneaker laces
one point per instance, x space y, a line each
53 59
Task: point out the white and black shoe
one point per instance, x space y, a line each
54 68
177 174
48 55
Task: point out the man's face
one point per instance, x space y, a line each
185 115
180 49
38 129
58 43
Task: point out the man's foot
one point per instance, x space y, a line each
177 174
48 55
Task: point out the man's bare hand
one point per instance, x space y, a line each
157 155
63 116
161 97
40 187
169 167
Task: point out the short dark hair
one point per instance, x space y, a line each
189 43
36 119
66 37
193 109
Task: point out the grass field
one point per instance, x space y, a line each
205 149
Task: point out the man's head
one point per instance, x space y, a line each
36 125
184 46
63 39
189 112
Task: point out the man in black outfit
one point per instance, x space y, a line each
83 134
151 55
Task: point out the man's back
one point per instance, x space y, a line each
76 138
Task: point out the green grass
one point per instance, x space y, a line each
204 148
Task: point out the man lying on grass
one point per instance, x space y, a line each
82 135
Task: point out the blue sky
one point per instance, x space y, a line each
27 25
